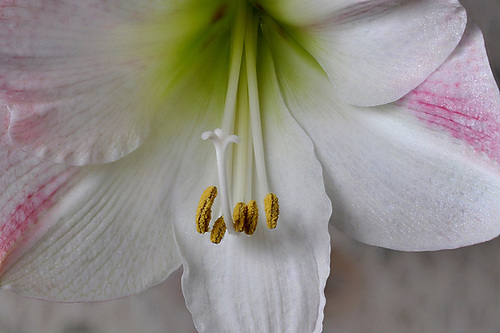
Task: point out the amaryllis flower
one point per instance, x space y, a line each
380 116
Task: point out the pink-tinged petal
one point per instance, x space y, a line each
78 234
271 281
374 52
461 98
104 234
30 188
393 179
78 77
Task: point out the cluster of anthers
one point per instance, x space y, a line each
245 216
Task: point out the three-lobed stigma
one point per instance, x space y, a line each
245 216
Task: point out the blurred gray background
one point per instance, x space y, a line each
370 290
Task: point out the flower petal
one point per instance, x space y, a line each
29 187
400 182
69 101
461 98
374 52
272 281
81 78
90 233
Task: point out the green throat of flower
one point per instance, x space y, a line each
242 117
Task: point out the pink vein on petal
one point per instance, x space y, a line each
461 98
22 226
464 119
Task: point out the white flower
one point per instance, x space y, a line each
380 116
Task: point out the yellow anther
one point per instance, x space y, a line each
252 217
240 216
204 211
272 210
218 230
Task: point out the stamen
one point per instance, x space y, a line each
252 217
218 231
204 211
240 216
253 99
235 60
272 210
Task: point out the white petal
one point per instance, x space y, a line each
83 79
296 12
272 281
374 52
401 182
69 101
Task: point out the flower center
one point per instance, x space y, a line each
241 116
